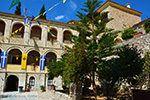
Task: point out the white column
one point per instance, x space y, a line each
41 80
44 36
8 29
27 33
60 35
22 80
2 81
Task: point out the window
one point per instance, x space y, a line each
50 82
32 81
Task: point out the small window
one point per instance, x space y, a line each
50 82
32 81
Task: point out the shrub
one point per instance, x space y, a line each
128 33
147 26
42 87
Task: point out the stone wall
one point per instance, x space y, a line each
142 42
122 19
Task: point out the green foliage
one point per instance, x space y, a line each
76 64
147 26
18 9
128 33
126 65
42 87
90 28
55 69
142 78
42 11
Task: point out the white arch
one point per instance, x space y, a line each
63 53
14 47
32 76
54 27
32 49
14 74
53 51
3 20
17 22
32 25
68 30
1 49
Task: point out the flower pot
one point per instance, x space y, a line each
52 87
137 34
27 89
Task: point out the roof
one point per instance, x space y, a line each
118 6
140 23
43 20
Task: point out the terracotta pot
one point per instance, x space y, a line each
52 87
137 34
27 89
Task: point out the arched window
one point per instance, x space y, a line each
2 28
50 57
50 37
36 33
19 34
32 81
14 56
67 37
33 57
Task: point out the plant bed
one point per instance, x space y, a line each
137 34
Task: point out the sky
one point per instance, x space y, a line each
67 11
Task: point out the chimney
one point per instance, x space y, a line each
128 5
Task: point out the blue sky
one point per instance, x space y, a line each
67 11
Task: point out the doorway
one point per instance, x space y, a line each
11 83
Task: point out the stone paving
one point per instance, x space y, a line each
49 95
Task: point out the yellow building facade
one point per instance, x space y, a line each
26 54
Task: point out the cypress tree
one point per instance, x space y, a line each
18 9
42 11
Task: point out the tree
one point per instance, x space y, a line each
55 69
94 34
18 9
92 29
76 66
42 11
125 66
76 61
143 78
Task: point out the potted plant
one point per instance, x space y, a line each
27 87
53 86
42 88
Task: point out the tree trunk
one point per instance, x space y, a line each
78 92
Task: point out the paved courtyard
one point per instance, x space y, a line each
27 96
